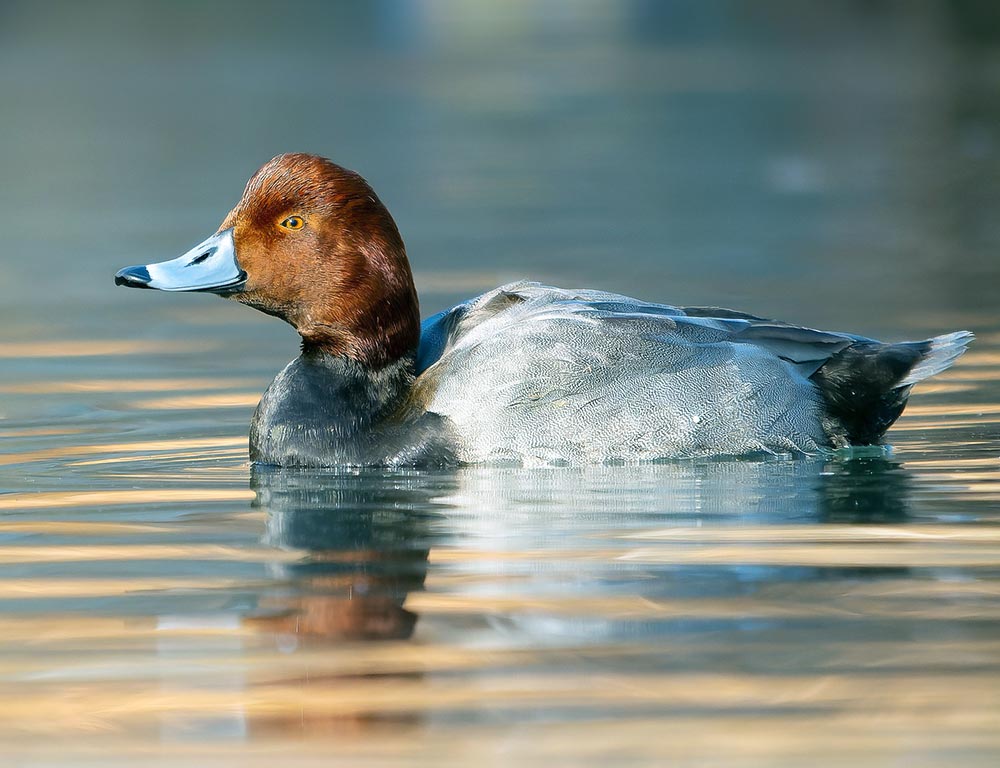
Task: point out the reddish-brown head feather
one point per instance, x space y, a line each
343 279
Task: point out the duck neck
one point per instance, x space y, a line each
367 344
328 409
365 394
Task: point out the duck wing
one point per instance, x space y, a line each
806 348
863 383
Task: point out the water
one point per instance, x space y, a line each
163 603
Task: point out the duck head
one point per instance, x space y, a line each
308 242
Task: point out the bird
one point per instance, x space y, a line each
525 374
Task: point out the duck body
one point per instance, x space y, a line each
540 374
523 374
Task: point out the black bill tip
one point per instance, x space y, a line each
133 277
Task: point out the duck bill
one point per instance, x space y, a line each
210 266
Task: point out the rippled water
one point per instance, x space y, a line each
156 590
163 603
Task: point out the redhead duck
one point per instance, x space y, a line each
525 373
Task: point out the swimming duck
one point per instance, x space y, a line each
525 373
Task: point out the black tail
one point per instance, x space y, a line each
866 385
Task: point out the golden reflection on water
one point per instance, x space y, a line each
114 552
851 555
124 385
266 696
952 409
978 356
47 589
40 432
71 499
138 448
182 402
94 348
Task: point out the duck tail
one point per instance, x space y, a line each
865 386
938 354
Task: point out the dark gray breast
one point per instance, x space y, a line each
323 410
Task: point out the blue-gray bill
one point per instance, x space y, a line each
209 266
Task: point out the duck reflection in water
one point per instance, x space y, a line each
863 491
367 539
368 535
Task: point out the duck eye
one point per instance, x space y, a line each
293 222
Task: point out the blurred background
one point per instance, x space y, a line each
832 163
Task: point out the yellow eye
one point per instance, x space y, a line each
293 222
